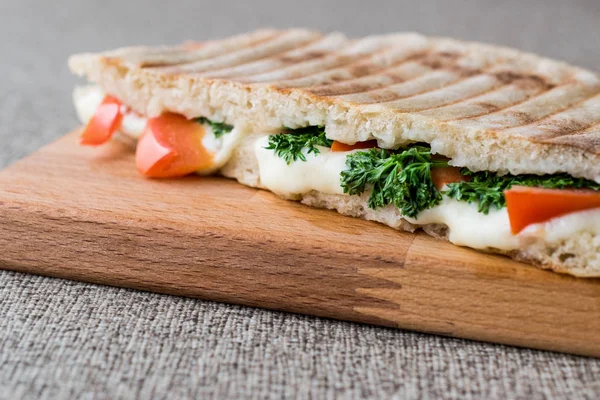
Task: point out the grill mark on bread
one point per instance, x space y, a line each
286 57
362 66
268 63
353 69
387 94
354 85
372 60
357 87
422 58
311 55
524 80
363 70
483 104
427 58
394 92
589 140
567 122
487 105
522 83
198 50
595 127
330 62
270 55
522 116
157 64
443 104
279 44
490 110
338 60
437 60
510 117
562 128
351 86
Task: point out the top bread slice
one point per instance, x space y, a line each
485 107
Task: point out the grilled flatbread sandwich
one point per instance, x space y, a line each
484 146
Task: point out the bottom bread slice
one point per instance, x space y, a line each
578 254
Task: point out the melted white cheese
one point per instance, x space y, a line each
88 98
319 172
469 227
466 225
566 226
221 147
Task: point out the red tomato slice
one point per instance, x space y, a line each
339 146
103 124
171 146
528 205
444 175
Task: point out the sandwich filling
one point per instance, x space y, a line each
169 141
480 209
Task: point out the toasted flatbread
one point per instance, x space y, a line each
485 107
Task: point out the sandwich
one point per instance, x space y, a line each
484 146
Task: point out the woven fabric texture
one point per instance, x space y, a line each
62 340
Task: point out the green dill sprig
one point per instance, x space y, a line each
487 188
294 143
401 178
218 128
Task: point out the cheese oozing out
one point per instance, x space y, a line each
88 98
319 172
466 225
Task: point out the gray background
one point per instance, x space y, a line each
62 339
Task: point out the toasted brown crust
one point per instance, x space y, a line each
486 107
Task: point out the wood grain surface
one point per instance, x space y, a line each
85 214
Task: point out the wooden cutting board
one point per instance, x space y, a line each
85 214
